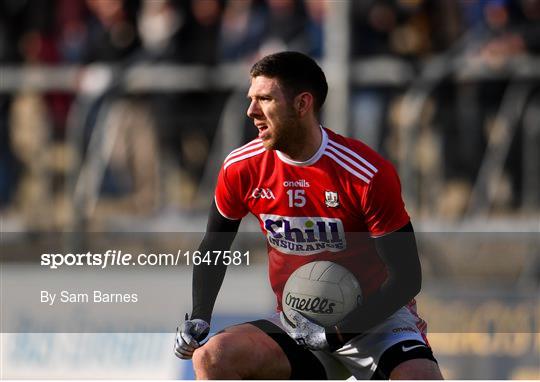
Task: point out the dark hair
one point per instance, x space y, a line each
296 72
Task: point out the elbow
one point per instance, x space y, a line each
414 285
408 292
409 287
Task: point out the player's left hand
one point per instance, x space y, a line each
304 331
189 336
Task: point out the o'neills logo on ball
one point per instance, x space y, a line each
313 305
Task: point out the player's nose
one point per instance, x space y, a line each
253 110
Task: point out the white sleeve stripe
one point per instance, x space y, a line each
242 157
236 153
348 159
346 167
221 212
349 151
253 142
256 140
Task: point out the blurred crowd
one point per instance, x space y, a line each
177 129
213 31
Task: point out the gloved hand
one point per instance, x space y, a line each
304 331
189 336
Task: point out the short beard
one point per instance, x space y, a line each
289 140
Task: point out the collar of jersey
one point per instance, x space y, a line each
311 160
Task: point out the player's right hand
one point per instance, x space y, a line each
189 336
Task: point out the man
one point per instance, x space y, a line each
352 196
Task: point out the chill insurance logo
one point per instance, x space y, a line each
304 235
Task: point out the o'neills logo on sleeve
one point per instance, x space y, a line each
304 235
309 304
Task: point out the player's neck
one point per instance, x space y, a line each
308 146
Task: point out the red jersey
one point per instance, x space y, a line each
326 208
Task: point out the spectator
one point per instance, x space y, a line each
316 11
530 31
159 25
112 35
372 25
242 30
286 27
199 40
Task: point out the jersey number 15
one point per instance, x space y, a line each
297 198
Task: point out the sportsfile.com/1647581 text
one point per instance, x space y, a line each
114 257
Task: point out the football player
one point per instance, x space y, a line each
317 196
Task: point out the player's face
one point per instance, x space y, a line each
273 114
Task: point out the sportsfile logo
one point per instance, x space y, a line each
304 235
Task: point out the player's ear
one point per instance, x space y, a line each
303 103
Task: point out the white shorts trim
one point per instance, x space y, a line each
360 356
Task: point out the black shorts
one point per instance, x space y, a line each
304 365
399 353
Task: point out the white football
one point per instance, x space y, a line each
323 291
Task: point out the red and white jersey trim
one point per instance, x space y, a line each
311 160
341 154
220 211
245 147
352 153
249 150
